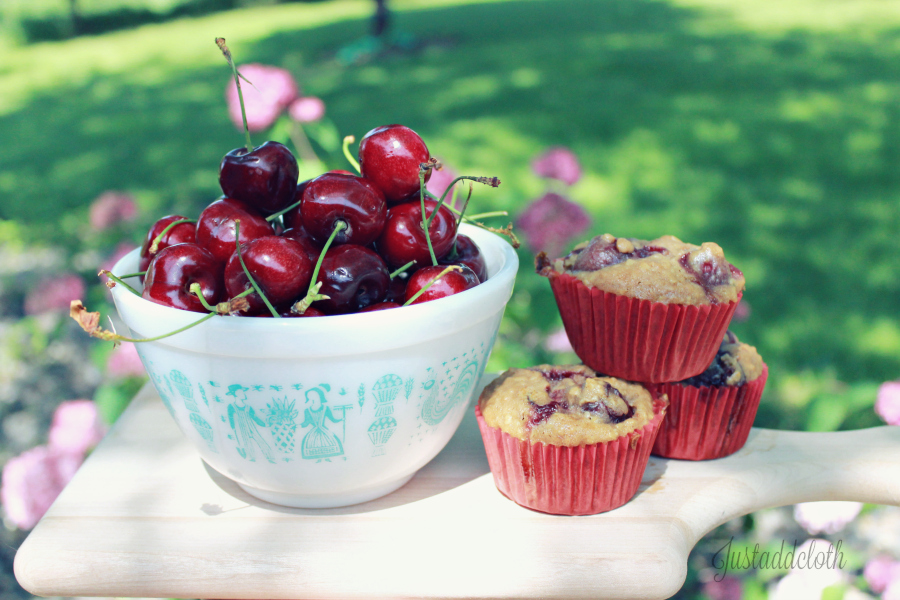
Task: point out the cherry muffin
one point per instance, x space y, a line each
563 440
710 415
650 311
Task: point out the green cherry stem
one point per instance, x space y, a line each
403 268
346 147
222 308
431 283
154 247
237 242
491 181
117 280
313 295
271 218
130 275
426 220
90 323
220 42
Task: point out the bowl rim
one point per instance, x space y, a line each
433 320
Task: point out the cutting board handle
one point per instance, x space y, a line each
777 468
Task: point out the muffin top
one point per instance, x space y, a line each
735 364
662 270
566 405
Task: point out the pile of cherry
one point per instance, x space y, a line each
335 244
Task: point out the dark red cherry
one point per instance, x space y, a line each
466 253
293 218
380 306
215 227
390 156
603 251
172 271
450 283
397 290
180 234
403 238
335 197
353 277
305 240
279 265
265 178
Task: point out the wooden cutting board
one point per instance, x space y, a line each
144 517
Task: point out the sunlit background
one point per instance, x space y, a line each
769 126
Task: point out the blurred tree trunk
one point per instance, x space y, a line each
381 20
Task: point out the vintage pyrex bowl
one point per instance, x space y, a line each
329 411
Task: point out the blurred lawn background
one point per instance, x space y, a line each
770 127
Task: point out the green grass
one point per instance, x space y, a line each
770 127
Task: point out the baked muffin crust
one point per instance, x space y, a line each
566 405
662 270
735 363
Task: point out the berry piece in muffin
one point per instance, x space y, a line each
735 364
662 270
565 405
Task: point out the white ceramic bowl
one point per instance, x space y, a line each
328 411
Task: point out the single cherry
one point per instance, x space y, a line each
179 234
380 306
466 253
279 265
390 156
172 271
302 236
403 238
215 227
265 178
450 283
353 277
335 197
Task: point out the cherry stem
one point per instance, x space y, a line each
165 335
130 275
496 213
313 295
119 281
403 268
154 247
431 283
301 143
222 308
220 42
426 220
271 218
237 242
491 181
90 323
347 141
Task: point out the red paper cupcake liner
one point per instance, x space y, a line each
639 340
570 480
707 422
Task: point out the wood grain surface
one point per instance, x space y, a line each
145 517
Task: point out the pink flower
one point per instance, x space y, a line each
272 91
558 163
729 588
550 222
33 480
880 571
825 517
440 180
124 361
76 427
558 341
307 110
741 312
54 294
110 208
809 578
887 404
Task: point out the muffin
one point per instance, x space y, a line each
649 311
710 415
563 440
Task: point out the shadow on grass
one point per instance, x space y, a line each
783 148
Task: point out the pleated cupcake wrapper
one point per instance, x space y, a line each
570 480
707 422
639 340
